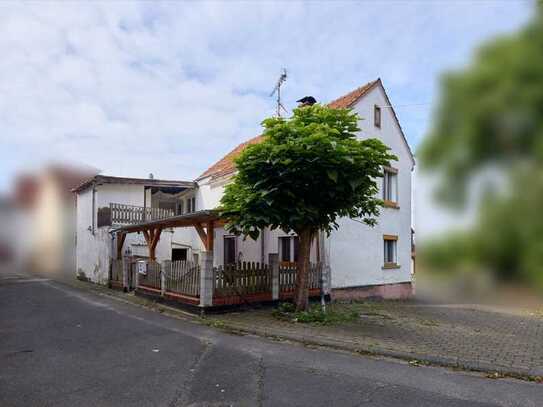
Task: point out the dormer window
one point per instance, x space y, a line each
377 116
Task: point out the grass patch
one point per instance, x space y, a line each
315 315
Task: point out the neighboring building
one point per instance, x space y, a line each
8 215
44 219
364 261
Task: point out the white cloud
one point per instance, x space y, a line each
168 88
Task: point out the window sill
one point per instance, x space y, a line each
391 204
389 266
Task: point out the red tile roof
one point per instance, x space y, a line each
226 164
351 98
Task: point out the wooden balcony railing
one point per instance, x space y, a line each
121 214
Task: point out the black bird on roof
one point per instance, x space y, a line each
307 101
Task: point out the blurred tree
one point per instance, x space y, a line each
491 116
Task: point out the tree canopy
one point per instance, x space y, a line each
309 170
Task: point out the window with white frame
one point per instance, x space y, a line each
390 251
191 204
377 116
288 249
390 185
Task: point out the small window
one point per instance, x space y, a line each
284 249
390 252
189 205
179 254
289 247
229 250
390 186
193 204
377 116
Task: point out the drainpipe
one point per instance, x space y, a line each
93 207
262 235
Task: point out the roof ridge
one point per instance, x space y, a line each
226 164
351 97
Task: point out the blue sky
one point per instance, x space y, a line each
168 88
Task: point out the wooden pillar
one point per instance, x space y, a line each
154 243
210 236
152 236
201 232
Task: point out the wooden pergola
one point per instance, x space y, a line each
203 221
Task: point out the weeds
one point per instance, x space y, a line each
315 315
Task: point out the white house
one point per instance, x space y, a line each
364 261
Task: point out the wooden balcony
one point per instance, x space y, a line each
121 214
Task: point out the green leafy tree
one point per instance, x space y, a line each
490 116
309 170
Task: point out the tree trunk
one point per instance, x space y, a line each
301 299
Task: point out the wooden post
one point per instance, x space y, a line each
155 237
201 233
164 271
206 279
210 236
273 261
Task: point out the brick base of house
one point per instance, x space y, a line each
398 291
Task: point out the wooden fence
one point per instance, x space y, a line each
287 276
183 277
117 274
240 283
152 278
244 278
129 214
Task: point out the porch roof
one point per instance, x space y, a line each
189 219
147 182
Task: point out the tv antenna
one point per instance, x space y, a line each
277 90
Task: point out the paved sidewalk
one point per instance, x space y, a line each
468 337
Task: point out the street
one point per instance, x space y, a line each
62 346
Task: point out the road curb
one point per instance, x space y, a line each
415 359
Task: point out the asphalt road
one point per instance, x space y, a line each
61 346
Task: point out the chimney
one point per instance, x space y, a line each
306 101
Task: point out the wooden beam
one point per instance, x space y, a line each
147 236
201 233
152 236
120 242
156 238
210 236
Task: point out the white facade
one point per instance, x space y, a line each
355 252
95 245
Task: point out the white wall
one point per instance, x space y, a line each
356 250
93 252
